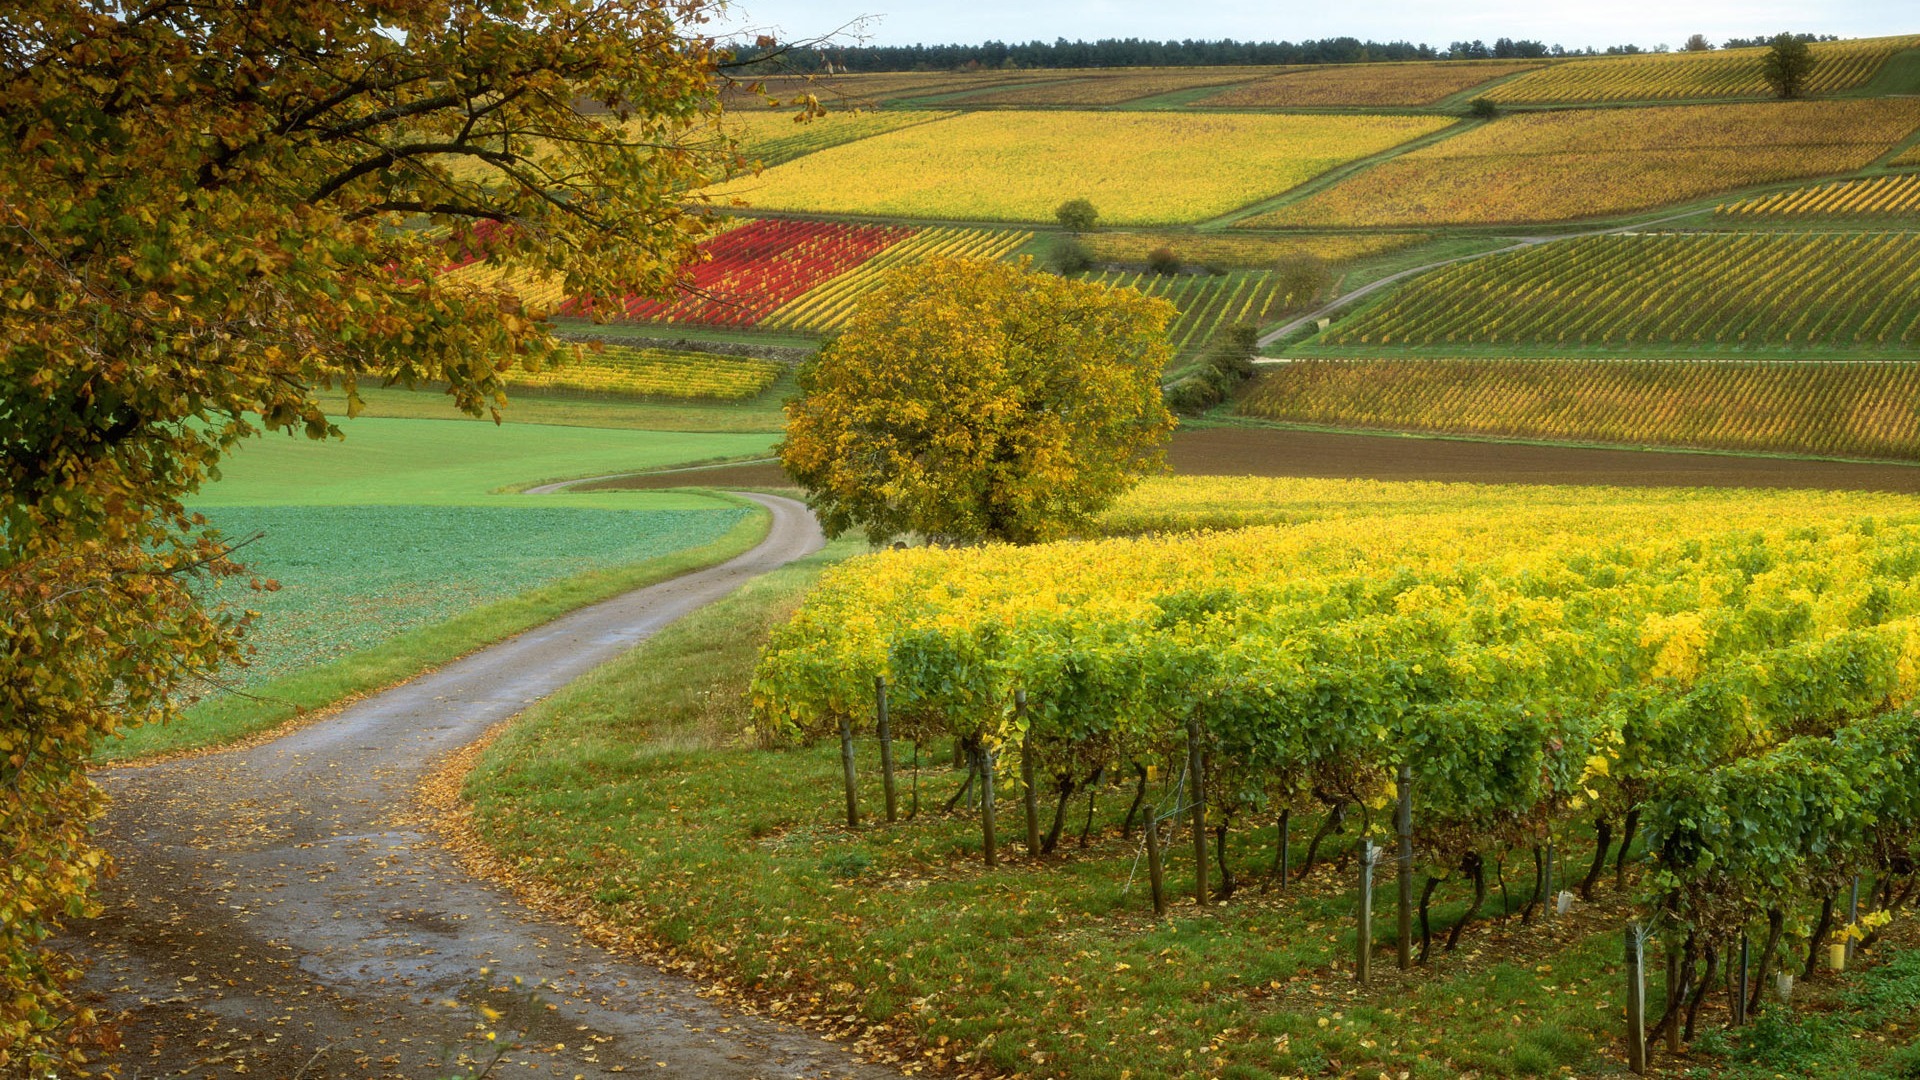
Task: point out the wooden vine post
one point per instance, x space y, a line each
1196 763
1363 936
1032 797
986 806
1636 1002
1156 869
1549 903
1404 824
846 769
886 746
1739 1002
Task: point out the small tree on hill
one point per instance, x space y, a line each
977 401
1301 280
1787 64
1162 260
1697 43
1076 215
1482 108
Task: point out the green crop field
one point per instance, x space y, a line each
1850 293
1850 409
1208 303
402 546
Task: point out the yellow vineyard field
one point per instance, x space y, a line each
1137 168
1837 65
827 307
772 136
1366 84
1909 156
1895 194
1557 166
621 371
1229 251
1113 86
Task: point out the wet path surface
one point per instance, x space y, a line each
277 915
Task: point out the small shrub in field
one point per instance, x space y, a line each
1162 260
1482 108
1070 256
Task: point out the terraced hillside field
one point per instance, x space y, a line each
1207 303
826 308
1850 409
1851 292
1111 86
1837 65
618 371
771 136
1144 168
1893 194
1241 251
1560 166
1365 84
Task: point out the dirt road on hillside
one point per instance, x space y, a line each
275 915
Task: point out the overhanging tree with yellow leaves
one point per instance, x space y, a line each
208 210
972 401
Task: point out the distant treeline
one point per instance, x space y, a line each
1135 52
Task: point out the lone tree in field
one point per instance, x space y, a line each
974 401
1697 43
1076 215
1787 64
210 209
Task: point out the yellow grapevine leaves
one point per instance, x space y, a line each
1137 168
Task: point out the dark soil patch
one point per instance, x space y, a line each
1280 452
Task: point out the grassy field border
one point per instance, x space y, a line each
226 719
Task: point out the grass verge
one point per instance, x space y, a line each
664 832
229 718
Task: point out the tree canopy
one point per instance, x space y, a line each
1787 64
209 210
981 401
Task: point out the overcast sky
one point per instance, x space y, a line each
1599 23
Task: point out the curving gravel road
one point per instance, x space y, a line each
275 916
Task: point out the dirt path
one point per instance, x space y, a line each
276 914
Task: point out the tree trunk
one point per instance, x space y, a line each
1426 929
1093 792
1775 923
1059 815
964 788
1602 838
1676 998
1280 837
1819 937
1139 793
1335 818
1628 828
1500 876
1539 884
1476 870
1700 995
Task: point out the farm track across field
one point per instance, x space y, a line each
280 911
